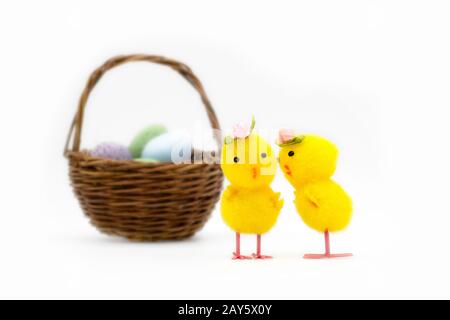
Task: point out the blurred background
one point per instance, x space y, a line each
370 76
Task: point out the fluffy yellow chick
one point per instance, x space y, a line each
249 205
308 163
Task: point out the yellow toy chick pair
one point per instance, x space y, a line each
249 205
308 163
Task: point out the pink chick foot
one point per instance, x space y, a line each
240 257
261 257
258 254
327 256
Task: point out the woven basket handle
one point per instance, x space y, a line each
182 69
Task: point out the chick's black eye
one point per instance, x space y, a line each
263 155
291 153
236 159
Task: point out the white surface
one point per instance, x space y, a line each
372 76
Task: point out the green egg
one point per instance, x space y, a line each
143 137
146 160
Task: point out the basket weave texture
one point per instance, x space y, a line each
144 201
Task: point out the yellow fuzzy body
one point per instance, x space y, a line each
251 211
249 205
308 166
324 205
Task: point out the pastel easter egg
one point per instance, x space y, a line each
146 160
143 137
113 151
169 147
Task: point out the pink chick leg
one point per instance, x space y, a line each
258 255
327 254
237 255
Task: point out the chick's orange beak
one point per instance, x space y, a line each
288 170
254 172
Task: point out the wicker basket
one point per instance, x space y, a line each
143 201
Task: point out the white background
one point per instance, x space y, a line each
373 76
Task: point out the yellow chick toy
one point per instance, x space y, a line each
249 205
308 163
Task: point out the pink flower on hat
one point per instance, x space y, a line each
241 130
285 135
